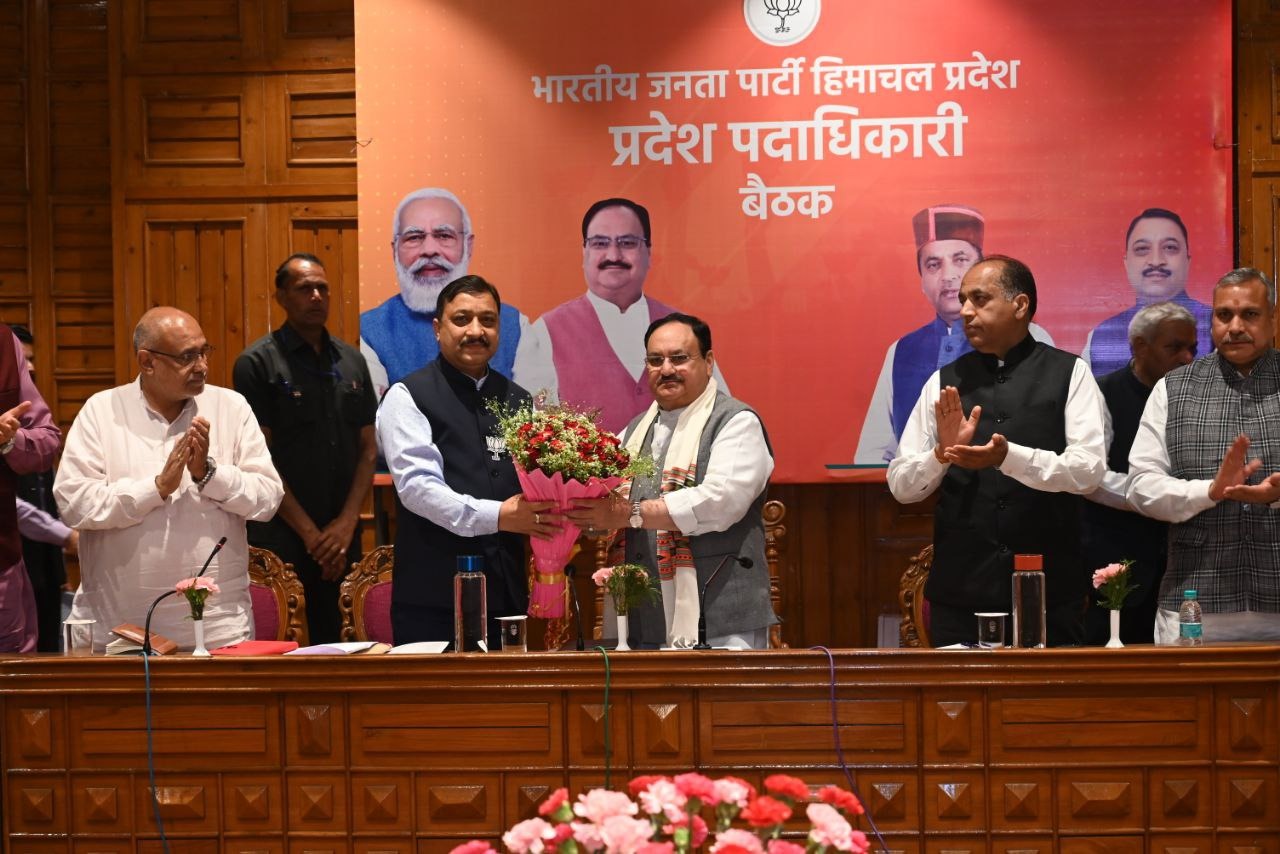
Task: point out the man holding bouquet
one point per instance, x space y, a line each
455 483
695 523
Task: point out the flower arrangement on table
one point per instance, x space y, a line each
562 455
197 590
628 585
1114 583
665 817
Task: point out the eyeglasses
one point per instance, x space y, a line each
625 242
445 237
653 360
188 358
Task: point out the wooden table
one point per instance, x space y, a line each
1141 749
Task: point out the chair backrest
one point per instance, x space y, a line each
365 598
914 628
279 604
773 513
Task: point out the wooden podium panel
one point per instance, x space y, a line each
1140 749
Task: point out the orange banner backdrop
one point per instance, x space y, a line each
782 162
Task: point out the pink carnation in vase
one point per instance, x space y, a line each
201 583
735 838
1108 572
529 837
601 576
697 833
694 785
663 798
475 846
625 834
587 834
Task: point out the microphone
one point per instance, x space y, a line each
745 563
577 609
146 626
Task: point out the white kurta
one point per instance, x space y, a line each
135 545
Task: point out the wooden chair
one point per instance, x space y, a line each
365 598
773 513
914 628
279 604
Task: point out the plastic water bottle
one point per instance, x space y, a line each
1190 630
470 606
1029 624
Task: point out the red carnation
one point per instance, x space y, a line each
554 802
765 811
841 800
786 786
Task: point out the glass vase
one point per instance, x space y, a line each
199 650
1115 642
622 633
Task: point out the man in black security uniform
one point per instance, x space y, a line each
455 483
1162 336
312 397
1012 471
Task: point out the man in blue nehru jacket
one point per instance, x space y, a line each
1010 473
431 246
457 487
948 242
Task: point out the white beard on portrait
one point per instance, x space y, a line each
419 290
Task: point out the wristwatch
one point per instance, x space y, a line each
209 468
636 520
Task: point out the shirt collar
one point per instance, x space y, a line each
188 406
291 341
458 376
604 305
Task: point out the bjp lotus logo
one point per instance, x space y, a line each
781 22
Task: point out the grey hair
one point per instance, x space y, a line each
429 193
144 334
1148 320
1244 275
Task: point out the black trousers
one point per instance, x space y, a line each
948 625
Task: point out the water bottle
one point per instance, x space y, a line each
1190 631
470 608
1029 624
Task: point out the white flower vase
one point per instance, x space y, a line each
622 633
199 650
1115 642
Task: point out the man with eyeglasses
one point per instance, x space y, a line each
153 474
587 351
695 523
431 245
314 401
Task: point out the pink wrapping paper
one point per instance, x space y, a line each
547 598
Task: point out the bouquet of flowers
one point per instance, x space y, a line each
1114 584
628 583
561 455
197 590
667 817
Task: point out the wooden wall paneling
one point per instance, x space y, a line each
311 121
14 277
195 257
184 132
310 33
13 130
160 34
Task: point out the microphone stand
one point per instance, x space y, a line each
146 626
577 608
745 563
